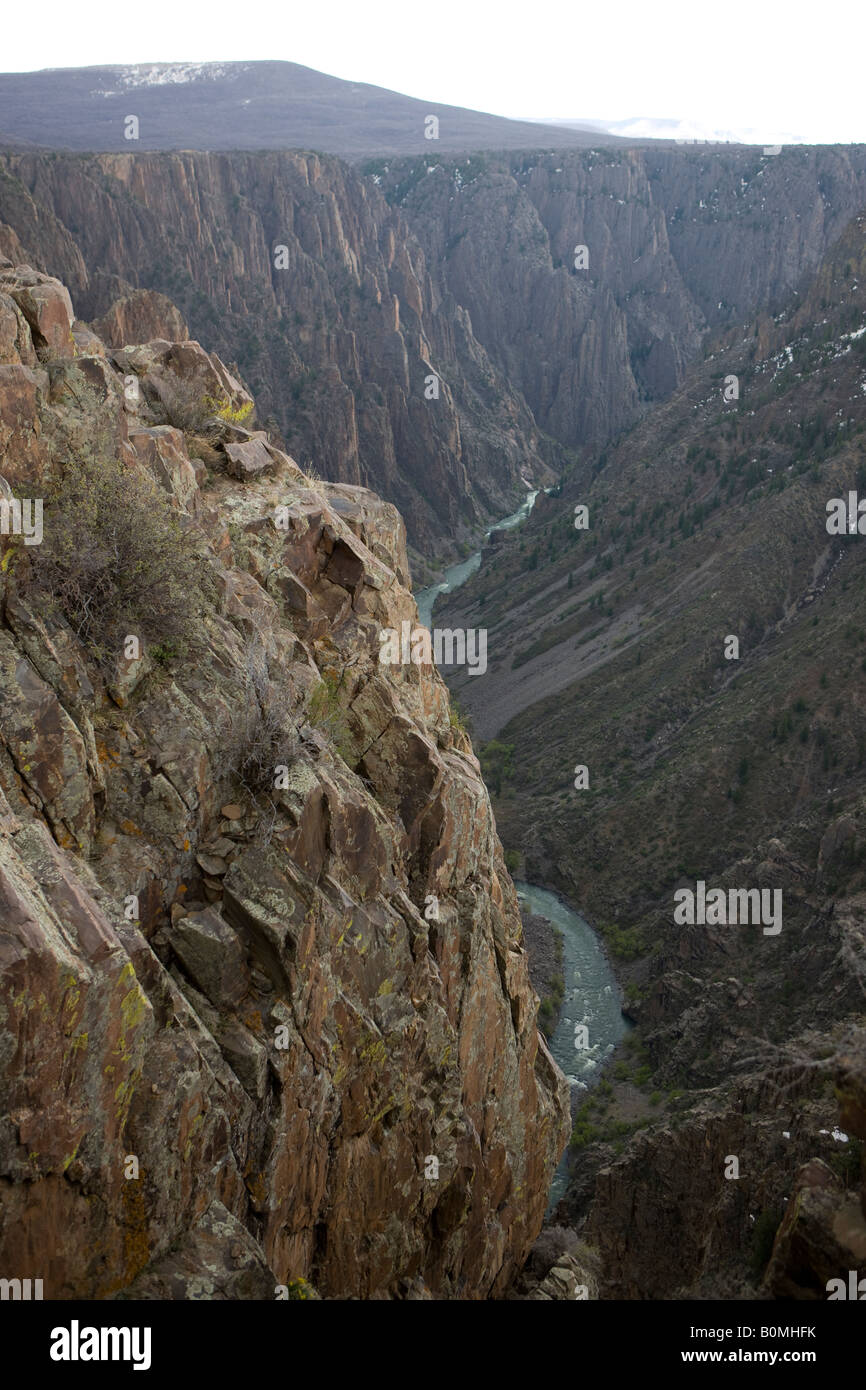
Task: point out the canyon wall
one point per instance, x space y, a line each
462 268
295 267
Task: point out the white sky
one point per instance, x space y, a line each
776 68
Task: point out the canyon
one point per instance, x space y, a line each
324 1032
615 656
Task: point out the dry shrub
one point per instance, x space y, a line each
184 403
554 1242
260 735
114 559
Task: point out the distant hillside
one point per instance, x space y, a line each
247 106
683 131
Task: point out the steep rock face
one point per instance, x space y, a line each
677 241
238 1048
295 266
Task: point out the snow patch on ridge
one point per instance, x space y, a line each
170 74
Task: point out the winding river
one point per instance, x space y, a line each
591 998
591 992
458 574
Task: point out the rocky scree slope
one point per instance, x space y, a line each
226 976
606 648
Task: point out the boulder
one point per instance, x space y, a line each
248 460
162 449
47 308
211 953
139 317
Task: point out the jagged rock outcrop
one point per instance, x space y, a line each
237 1050
822 1237
139 316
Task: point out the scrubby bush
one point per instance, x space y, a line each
260 734
497 764
626 943
583 1131
185 405
114 559
553 1243
457 719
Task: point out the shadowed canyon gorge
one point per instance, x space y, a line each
270 1013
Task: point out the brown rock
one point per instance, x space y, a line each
22 459
248 460
46 748
16 344
162 450
48 310
139 317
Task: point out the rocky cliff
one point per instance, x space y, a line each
675 242
265 1014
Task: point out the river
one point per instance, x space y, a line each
591 992
591 997
458 574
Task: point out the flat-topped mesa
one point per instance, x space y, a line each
240 1047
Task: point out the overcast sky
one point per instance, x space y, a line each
778 69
